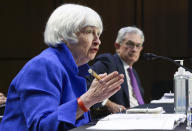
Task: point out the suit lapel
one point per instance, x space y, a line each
120 68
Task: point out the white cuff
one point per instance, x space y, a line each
104 102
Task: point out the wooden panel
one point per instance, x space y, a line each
165 25
23 23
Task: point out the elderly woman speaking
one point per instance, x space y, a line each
50 92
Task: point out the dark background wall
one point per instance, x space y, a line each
165 23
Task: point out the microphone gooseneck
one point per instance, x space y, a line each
151 56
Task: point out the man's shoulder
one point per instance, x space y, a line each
105 58
105 55
108 58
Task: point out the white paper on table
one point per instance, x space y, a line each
163 101
156 110
139 121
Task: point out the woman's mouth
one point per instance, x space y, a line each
95 50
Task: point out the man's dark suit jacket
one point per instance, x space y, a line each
109 63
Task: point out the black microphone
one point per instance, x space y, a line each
151 56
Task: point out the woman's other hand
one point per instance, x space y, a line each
102 89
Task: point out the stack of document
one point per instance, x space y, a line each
157 110
139 121
166 98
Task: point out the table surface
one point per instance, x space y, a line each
169 108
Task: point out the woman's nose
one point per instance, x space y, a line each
97 41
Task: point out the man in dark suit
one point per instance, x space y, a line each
129 44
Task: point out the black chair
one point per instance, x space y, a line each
2 108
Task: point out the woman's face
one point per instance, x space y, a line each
87 46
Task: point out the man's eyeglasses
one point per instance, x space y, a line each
131 44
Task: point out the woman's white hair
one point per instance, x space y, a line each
123 31
67 20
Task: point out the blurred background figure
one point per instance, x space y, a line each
128 44
3 98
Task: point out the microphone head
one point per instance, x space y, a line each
149 56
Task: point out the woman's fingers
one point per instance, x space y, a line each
115 79
112 81
112 91
106 87
115 85
110 76
102 75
